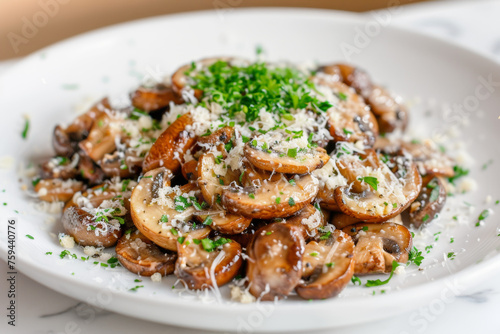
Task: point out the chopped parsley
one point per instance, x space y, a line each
459 172
277 90
415 256
482 216
355 280
372 181
28 236
208 221
24 133
291 201
451 255
378 282
135 288
209 245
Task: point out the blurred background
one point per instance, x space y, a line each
28 25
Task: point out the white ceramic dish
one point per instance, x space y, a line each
49 84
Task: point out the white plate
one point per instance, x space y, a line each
48 85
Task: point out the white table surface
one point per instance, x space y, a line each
474 24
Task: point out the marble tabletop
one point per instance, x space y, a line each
474 24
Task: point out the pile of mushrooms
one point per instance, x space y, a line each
290 224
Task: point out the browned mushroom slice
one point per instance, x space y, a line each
328 266
349 75
309 220
378 245
154 98
224 222
101 139
428 204
90 223
214 176
223 135
326 199
181 78
351 120
60 168
275 154
141 256
170 147
390 111
57 190
122 164
89 170
273 199
159 212
190 170
430 160
65 141
386 193
274 266
207 263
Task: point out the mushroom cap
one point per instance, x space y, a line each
428 204
141 256
201 269
309 220
147 215
274 266
328 266
394 192
378 245
351 119
154 98
172 144
391 113
226 223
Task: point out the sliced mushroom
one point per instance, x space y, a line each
60 168
385 194
309 220
390 111
123 164
223 135
275 266
89 170
428 204
328 266
141 256
270 154
273 199
101 138
57 190
378 245
65 141
214 176
154 210
190 170
95 218
170 147
351 120
351 76
429 158
154 98
203 264
224 222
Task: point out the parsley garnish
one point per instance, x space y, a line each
415 256
378 282
459 172
372 181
